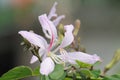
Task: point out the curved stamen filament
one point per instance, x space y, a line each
57 59
63 52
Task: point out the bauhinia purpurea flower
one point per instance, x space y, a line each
53 53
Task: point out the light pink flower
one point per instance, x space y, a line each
46 51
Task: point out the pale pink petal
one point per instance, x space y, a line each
48 27
53 11
42 53
34 39
58 19
43 39
33 59
47 66
71 57
68 38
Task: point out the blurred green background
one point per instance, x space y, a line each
99 32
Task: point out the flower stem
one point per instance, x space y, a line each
35 52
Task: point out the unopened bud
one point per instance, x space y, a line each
61 29
61 32
77 27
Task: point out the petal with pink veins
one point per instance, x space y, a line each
48 27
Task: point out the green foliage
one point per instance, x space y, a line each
86 72
96 73
90 74
17 73
113 77
83 65
68 79
58 73
36 71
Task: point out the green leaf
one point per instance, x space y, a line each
110 78
83 65
97 63
96 73
58 73
36 71
113 77
17 73
86 72
47 78
96 79
63 76
42 77
68 79
116 76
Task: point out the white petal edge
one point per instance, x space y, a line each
58 19
71 57
34 38
33 59
48 27
68 38
47 66
52 12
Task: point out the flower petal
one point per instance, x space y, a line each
47 66
42 53
83 57
71 57
48 27
34 39
68 39
58 19
33 59
52 12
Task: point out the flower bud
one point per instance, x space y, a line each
77 27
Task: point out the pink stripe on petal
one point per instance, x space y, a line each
48 27
51 43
